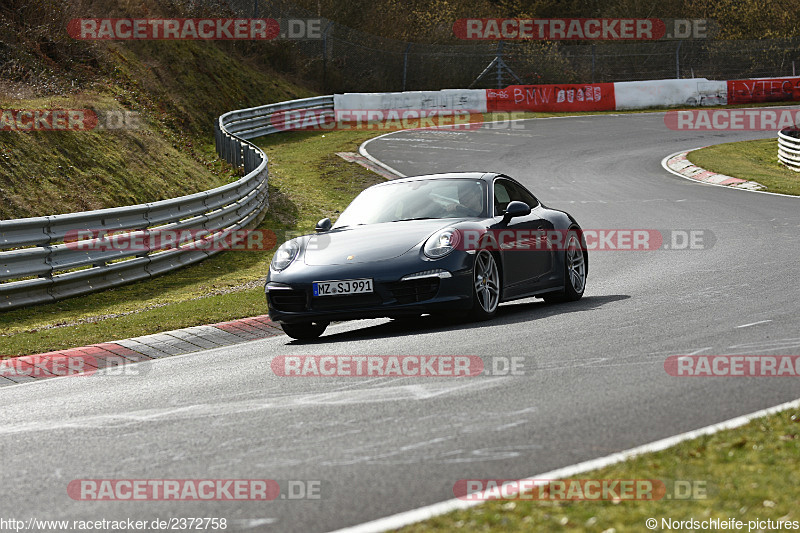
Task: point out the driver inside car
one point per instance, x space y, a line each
470 198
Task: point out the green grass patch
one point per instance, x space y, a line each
307 182
750 473
749 160
176 89
53 172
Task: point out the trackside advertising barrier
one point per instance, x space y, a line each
763 90
447 99
669 93
567 97
581 96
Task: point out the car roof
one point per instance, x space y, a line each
486 176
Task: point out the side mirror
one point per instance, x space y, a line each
516 209
325 224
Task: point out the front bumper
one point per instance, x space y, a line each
290 297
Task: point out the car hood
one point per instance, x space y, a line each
369 243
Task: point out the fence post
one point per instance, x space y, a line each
499 65
325 56
678 60
405 64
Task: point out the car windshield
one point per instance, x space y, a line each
414 200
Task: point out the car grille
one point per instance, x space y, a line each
414 290
292 301
346 301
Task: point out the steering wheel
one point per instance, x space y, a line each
462 210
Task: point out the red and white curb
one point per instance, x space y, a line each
107 354
353 157
679 164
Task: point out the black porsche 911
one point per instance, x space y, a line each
462 242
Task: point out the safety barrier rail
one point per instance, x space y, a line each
789 147
37 265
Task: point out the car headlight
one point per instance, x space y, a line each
284 255
441 243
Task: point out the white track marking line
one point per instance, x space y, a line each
363 151
754 323
423 513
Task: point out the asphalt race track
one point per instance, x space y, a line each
594 380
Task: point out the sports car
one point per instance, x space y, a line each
443 243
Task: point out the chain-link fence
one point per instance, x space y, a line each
344 59
349 60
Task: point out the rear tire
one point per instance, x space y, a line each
574 272
305 330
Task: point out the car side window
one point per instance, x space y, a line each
502 196
525 196
506 191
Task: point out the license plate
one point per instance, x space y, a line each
344 286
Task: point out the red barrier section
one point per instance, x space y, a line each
568 97
763 90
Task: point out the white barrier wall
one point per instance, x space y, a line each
622 96
455 99
667 93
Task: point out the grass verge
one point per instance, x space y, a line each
749 160
750 473
307 182
53 172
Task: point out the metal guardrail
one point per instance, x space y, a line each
37 266
789 147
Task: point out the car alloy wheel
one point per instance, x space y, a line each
576 264
574 272
486 286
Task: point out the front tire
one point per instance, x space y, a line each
305 330
485 287
574 272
